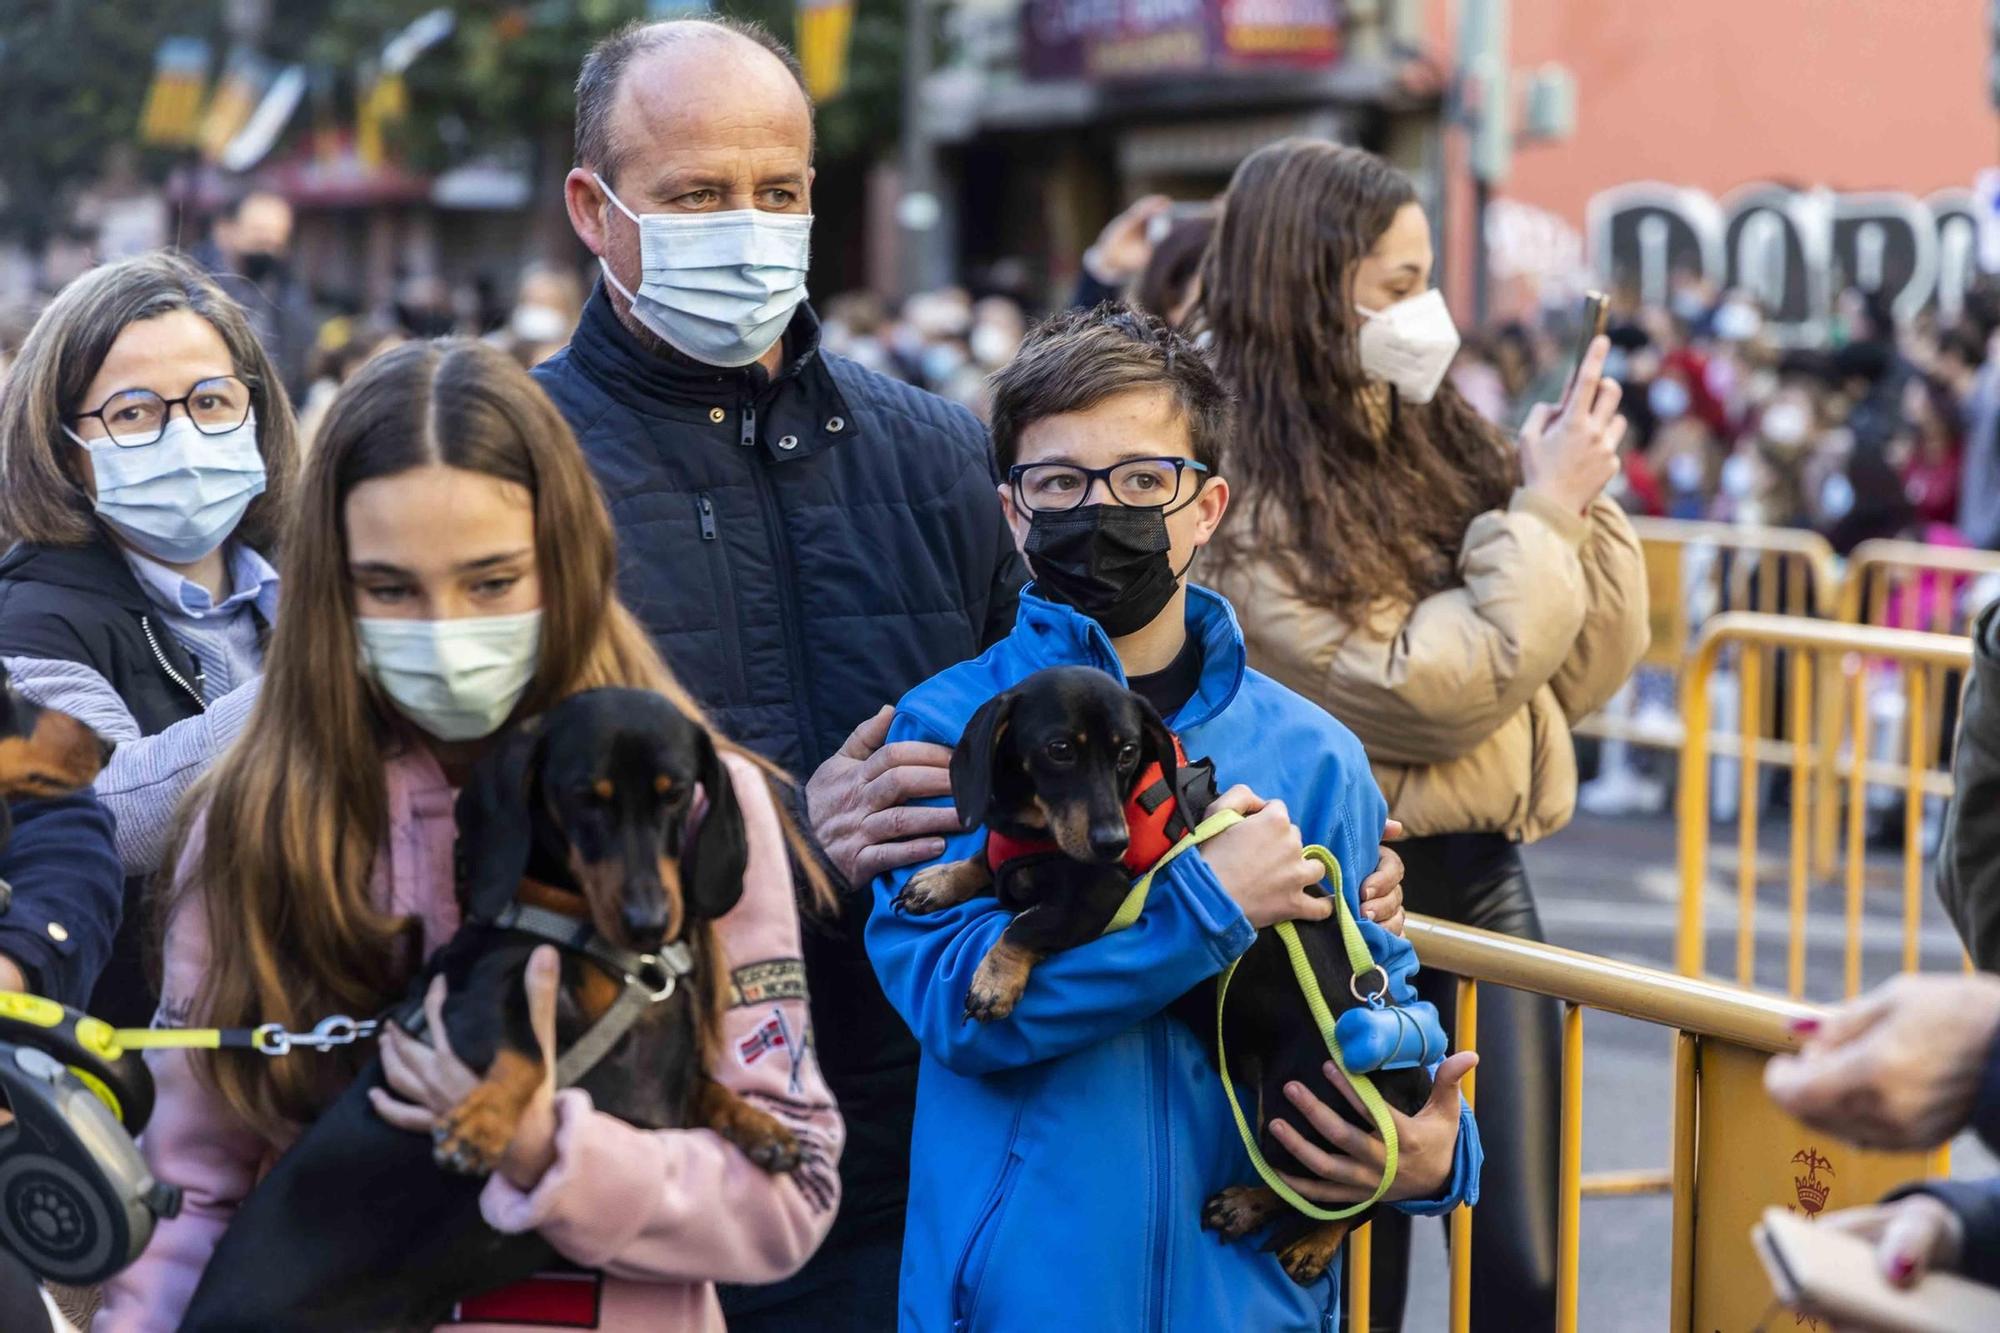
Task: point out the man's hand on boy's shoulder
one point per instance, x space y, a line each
859 802
1382 891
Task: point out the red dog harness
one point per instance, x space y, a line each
1152 821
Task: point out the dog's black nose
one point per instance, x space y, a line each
1109 841
104 748
646 931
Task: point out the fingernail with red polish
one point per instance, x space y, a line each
1804 1027
1900 1270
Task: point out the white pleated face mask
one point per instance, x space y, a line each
1410 344
457 679
719 287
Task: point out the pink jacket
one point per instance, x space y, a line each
660 1215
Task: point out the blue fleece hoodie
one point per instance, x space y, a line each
1062 1155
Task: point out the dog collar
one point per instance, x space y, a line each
647 978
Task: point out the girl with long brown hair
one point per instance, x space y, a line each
449 565
1456 598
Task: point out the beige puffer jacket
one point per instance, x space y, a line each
1464 702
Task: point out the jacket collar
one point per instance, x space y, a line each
94 568
808 408
1049 634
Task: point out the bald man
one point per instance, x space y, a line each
805 540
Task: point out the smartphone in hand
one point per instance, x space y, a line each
1596 314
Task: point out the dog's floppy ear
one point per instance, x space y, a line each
712 868
496 823
972 758
1156 746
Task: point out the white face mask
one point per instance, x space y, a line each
1409 345
457 679
1786 423
181 496
719 287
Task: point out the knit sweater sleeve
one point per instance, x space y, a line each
146 777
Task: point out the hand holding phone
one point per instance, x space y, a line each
1569 452
1596 314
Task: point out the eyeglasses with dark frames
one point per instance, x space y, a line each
1136 483
134 418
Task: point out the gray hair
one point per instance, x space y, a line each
604 69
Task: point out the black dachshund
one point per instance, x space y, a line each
586 813
1081 788
1063 770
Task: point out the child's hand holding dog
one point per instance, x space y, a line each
1261 862
1426 1143
433 1081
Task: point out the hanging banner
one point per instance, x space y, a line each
238 93
1104 40
825 30
260 133
172 116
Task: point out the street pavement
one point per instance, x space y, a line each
1609 886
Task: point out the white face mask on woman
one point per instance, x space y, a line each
457 679
1410 345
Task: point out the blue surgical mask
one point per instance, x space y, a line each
457 679
1669 399
180 497
719 287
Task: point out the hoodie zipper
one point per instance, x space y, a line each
160 656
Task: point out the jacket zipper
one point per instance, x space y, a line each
965 1284
705 509
200 676
788 611
1156 1060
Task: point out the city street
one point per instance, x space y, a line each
1609 886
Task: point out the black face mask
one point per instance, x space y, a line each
260 265
1107 561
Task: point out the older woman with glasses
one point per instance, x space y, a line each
146 445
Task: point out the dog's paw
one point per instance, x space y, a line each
1306 1259
1239 1210
997 984
778 1154
765 1141
470 1141
987 1001
927 891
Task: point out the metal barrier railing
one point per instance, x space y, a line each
1852 667
1911 585
1725 1167
1697 570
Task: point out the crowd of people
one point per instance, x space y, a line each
301 577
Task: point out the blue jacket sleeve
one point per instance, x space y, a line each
69 892
1190 930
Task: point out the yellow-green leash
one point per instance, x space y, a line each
1358 958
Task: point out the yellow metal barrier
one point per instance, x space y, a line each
1848 665
1696 570
1911 585
1734 1152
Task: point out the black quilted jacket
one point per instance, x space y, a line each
803 549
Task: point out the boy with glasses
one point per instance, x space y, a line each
1063 1153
